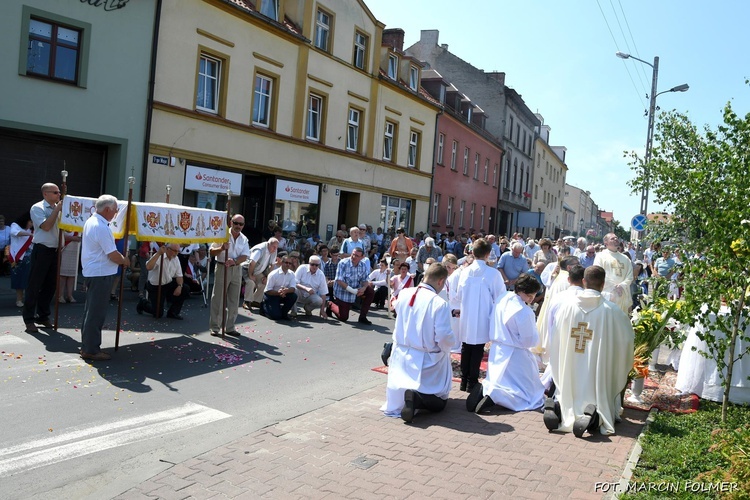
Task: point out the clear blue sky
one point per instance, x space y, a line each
560 56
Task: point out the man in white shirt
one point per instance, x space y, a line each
312 287
530 249
164 265
258 266
419 370
279 296
229 257
99 258
43 272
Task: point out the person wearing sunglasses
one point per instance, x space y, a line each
43 273
229 255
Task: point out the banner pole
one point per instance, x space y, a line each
131 181
60 233
226 257
157 313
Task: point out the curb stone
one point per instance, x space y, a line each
635 455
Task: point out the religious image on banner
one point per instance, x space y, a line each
77 210
162 222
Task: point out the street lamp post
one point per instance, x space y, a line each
651 112
580 223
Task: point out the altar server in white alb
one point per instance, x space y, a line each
419 371
479 287
512 370
619 269
591 353
559 285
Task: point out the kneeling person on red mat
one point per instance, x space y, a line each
279 296
352 282
164 266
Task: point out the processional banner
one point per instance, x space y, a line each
161 222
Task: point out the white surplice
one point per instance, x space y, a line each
422 340
479 287
619 276
512 371
591 353
558 286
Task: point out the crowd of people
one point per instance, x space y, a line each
542 307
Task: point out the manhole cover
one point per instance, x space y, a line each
363 462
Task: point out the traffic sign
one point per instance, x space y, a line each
639 222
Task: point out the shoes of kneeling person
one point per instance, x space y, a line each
407 412
484 404
364 321
46 323
31 328
551 414
139 306
99 356
174 316
475 396
587 421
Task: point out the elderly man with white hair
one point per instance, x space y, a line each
258 267
312 287
581 247
530 249
512 264
428 250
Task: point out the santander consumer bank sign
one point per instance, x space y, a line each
213 181
296 191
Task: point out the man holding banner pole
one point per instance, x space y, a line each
231 255
99 259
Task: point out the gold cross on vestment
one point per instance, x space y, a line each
618 268
581 334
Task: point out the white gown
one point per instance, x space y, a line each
422 340
591 354
619 269
512 371
558 286
479 287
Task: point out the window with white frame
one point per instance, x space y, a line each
413 149
360 50
461 214
209 70
392 66
486 169
466 161
494 176
471 215
449 212
481 218
323 30
476 166
390 131
270 8
262 101
441 144
352 133
413 78
314 117
435 207
454 152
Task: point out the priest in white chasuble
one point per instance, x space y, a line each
419 370
591 353
558 286
512 369
619 269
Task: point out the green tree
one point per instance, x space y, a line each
704 177
621 232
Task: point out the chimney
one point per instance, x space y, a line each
498 76
429 37
394 38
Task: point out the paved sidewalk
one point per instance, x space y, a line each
350 450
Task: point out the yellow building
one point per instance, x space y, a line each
297 107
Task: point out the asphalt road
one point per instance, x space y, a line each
71 429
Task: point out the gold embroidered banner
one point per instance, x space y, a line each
77 210
162 222
177 224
